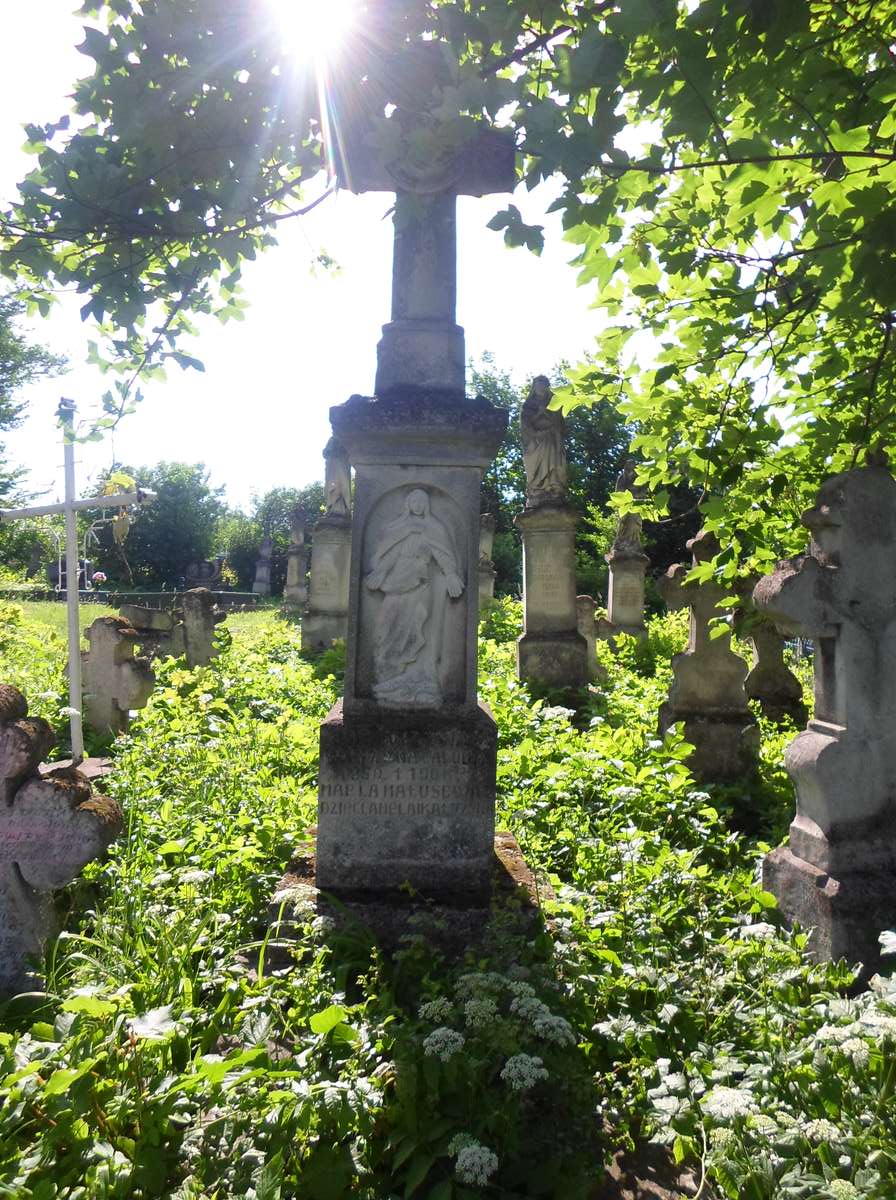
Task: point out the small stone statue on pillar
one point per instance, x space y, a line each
837 874
325 619
262 584
115 682
295 590
707 693
50 827
551 653
487 572
628 565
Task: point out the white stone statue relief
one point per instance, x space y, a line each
544 446
415 567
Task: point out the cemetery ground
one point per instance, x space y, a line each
182 1050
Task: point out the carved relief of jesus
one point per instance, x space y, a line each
414 566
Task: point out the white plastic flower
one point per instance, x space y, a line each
475 1164
523 1071
723 1103
439 1009
443 1043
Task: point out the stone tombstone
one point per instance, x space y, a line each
295 590
707 693
408 757
51 826
262 583
628 565
837 874
771 683
115 682
487 572
552 652
186 631
325 618
586 615
207 573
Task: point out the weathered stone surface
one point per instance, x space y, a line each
295 590
205 574
770 681
707 692
262 583
147 620
50 827
187 631
586 607
625 594
552 652
543 434
838 873
114 681
487 572
406 799
325 618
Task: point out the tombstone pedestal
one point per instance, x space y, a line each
295 590
625 595
326 617
407 760
551 653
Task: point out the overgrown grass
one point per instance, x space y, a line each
166 1060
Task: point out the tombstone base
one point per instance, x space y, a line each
553 660
320 630
406 798
845 914
726 746
451 921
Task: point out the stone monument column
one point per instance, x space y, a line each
262 584
707 693
837 874
487 572
295 590
551 653
407 758
628 565
326 616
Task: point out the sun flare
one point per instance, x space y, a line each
314 28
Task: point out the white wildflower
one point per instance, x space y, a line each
475 1164
722 1139
699 797
879 1024
529 1008
479 1014
443 1043
523 1071
489 982
439 1009
761 931
821 1131
554 1029
856 1049
842 1189
194 876
520 989
723 1103
624 792
837 1034
323 926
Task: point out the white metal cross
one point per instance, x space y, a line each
69 507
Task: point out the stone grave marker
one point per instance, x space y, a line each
487 572
295 591
51 826
628 566
188 630
771 683
586 615
325 618
837 874
707 693
551 652
407 764
114 681
261 585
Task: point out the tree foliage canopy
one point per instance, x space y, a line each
727 169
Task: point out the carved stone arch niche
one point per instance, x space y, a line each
414 552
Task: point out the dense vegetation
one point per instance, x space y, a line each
182 1050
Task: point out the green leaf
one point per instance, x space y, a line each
322 1022
92 1006
417 1171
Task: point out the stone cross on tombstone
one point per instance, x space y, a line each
261 585
628 565
114 681
200 617
50 827
707 692
837 875
407 764
295 590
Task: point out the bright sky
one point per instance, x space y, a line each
258 416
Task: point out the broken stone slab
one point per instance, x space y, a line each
837 874
51 826
187 631
115 682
